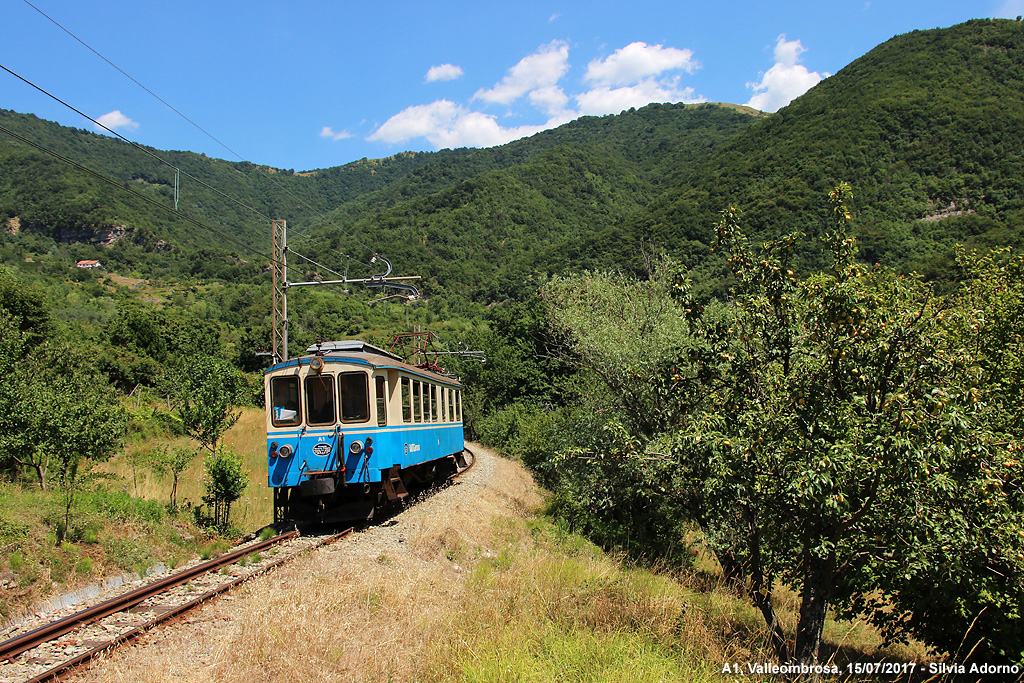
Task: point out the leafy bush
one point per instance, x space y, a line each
224 484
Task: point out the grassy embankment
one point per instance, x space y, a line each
488 588
121 524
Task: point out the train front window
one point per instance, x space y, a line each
284 401
320 399
355 397
382 402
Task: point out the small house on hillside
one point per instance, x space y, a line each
89 263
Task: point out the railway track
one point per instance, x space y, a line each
468 467
45 652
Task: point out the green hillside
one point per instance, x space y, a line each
485 235
928 128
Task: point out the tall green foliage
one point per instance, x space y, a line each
224 483
206 392
836 433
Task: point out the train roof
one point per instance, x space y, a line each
346 346
361 353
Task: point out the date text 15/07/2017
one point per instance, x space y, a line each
862 668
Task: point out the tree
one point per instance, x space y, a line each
62 412
839 417
834 433
225 482
13 386
174 461
206 391
963 591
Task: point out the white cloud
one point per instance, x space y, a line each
638 61
447 124
606 100
786 80
116 120
443 72
328 132
550 100
542 69
633 76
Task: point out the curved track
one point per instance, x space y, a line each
468 467
45 652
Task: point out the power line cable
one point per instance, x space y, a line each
137 146
154 156
204 131
119 184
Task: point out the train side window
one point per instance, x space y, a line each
427 400
458 406
406 400
284 401
320 399
382 401
450 394
433 403
417 404
355 397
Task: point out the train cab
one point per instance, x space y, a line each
351 428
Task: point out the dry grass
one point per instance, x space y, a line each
247 437
470 585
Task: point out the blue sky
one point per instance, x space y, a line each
320 83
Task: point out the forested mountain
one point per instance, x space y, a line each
928 128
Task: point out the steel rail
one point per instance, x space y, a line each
9 649
467 468
170 614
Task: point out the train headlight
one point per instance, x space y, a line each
355 448
316 365
286 451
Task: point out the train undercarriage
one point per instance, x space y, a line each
326 498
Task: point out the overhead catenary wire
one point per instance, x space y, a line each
148 153
120 185
209 135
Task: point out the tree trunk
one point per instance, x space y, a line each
817 591
761 587
764 603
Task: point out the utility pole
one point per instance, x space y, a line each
281 285
280 303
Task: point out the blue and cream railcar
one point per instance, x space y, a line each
350 428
